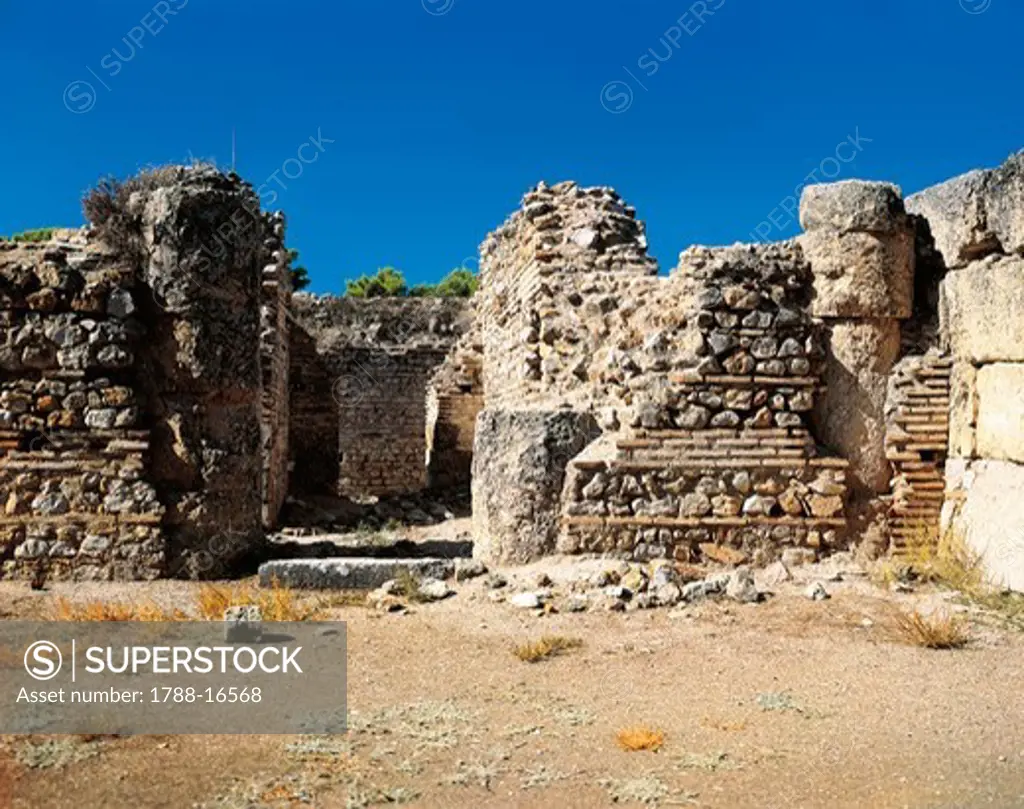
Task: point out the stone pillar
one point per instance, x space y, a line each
860 244
202 234
519 463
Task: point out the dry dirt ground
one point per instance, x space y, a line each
786 703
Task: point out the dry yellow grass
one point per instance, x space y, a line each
275 603
639 738
548 646
98 610
937 630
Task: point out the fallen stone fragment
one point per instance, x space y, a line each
741 586
432 589
526 601
466 569
817 592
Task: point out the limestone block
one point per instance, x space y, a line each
1001 411
963 410
861 274
975 214
990 517
982 311
852 206
519 463
860 244
850 415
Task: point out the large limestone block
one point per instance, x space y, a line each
860 244
519 464
1001 412
849 416
975 214
852 206
982 311
990 516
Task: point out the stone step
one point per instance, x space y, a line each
332 546
355 573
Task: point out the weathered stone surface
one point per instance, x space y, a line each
519 464
990 516
860 244
982 309
963 410
850 415
861 274
852 206
975 214
1000 432
349 573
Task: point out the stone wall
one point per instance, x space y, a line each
978 224
130 375
455 398
362 370
74 444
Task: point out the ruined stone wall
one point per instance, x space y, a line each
131 385
455 398
363 370
712 370
202 236
977 221
720 453
74 445
275 302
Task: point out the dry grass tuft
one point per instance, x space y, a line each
638 738
99 610
276 603
547 647
935 631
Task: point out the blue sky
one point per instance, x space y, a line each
433 117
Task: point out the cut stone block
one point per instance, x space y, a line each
982 311
1000 432
519 464
991 516
349 574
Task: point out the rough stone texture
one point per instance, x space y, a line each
983 311
860 244
275 300
963 410
1000 424
987 510
360 373
852 206
455 397
130 386
203 237
350 573
519 463
850 414
976 214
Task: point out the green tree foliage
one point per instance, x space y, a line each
387 283
38 235
459 283
300 277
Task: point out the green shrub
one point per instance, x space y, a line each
387 283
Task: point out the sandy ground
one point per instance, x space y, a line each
788 703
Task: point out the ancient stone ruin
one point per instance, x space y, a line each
166 400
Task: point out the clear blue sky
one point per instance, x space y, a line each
444 112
